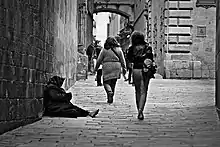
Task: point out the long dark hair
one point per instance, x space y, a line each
137 38
111 42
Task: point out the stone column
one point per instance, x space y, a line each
217 97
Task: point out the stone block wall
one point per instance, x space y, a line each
217 82
185 24
157 32
139 19
38 39
203 47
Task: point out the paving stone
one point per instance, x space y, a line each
179 113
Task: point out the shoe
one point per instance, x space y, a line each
110 97
93 113
100 84
140 116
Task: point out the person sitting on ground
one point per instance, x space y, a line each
57 101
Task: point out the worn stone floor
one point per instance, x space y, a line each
179 113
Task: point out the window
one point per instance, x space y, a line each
201 31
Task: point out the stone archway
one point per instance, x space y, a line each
126 15
121 7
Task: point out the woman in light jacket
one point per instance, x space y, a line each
112 59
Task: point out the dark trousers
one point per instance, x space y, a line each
109 86
90 64
130 76
99 77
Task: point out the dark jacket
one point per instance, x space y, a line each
138 53
57 101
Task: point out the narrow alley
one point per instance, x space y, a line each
179 113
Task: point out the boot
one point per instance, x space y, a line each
140 115
110 97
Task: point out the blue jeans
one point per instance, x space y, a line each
141 83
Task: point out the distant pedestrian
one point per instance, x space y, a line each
140 53
112 59
89 53
96 52
57 101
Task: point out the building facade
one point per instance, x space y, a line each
182 36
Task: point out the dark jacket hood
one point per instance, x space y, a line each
56 80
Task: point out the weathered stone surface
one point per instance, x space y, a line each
37 41
185 68
179 30
178 13
172 21
184 73
168 64
185 39
185 22
179 56
178 113
212 74
172 39
178 47
186 4
205 73
171 4
197 73
196 65
182 64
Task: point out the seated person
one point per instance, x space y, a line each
57 101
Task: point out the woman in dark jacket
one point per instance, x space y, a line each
57 101
137 53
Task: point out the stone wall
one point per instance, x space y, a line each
139 19
190 53
203 47
217 65
65 41
157 32
38 39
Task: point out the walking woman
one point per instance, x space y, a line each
112 59
138 52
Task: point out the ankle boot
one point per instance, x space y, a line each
140 115
110 97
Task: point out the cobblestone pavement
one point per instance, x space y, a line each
179 113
